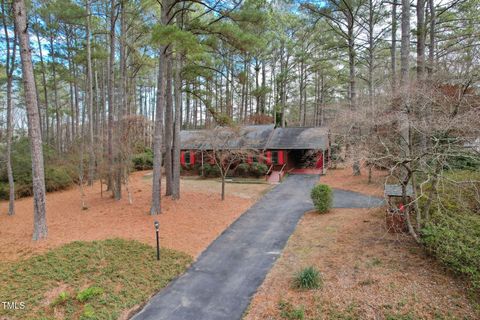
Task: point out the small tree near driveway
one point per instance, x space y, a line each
227 148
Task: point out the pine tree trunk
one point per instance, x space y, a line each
168 124
157 142
264 76
157 139
38 175
187 112
393 48
176 130
10 47
420 38
371 24
72 102
45 134
431 50
119 138
111 98
301 113
58 133
405 45
351 62
91 150
257 87
11 183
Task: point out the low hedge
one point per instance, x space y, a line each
258 169
322 197
243 170
211 171
455 241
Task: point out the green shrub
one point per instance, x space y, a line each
57 179
463 162
455 240
4 191
89 293
453 232
243 169
59 174
211 171
322 197
143 161
258 169
307 278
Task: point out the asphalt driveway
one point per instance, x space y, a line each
220 284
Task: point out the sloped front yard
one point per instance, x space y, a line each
86 280
100 263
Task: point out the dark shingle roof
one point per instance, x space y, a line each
255 137
247 137
192 139
299 138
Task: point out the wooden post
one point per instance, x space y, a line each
202 163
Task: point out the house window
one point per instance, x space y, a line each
275 157
187 157
254 158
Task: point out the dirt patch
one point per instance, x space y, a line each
53 293
343 178
367 272
188 225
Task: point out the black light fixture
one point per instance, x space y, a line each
157 227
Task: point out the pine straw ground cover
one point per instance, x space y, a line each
366 272
87 280
342 178
188 225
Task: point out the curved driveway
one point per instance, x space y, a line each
220 284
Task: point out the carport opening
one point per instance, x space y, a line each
303 159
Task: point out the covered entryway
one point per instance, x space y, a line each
306 159
307 148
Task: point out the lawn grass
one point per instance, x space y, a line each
87 280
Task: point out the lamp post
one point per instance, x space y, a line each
157 227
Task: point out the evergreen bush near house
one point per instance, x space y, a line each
211 171
307 278
143 161
258 169
243 169
322 197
